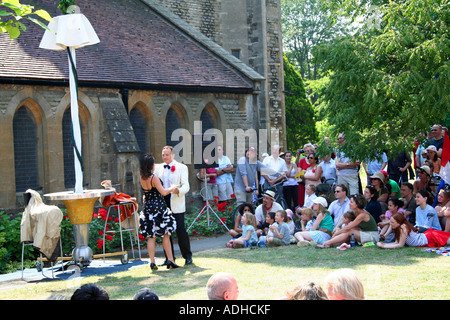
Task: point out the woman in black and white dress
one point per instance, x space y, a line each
156 219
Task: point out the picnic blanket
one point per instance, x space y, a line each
443 251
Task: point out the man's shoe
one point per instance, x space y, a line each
188 261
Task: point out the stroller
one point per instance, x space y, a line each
326 189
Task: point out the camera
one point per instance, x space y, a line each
301 151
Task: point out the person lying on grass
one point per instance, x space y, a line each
407 234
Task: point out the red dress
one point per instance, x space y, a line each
303 165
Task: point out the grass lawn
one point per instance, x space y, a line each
266 274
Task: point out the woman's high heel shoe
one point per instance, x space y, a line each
153 266
171 265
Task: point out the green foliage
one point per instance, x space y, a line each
224 210
300 123
64 5
10 244
390 83
306 24
13 11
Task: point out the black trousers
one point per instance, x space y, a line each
182 235
290 194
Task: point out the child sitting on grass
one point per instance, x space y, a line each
249 237
280 230
394 206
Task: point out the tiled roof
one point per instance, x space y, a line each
137 46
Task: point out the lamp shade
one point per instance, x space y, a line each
71 30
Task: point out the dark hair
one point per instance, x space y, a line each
90 292
343 187
409 185
146 294
314 155
147 162
350 214
373 192
242 206
272 215
360 201
397 202
424 193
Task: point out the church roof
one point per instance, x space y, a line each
139 47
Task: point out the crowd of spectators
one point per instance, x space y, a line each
407 183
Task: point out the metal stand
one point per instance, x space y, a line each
40 260
123 253
207 208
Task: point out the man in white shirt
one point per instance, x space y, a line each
173 172
224 178
339 206
275 170
329 169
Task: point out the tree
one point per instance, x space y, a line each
300 124
389 82
13 11
306 24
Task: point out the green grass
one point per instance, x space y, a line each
266 274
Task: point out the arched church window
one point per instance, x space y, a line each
25 150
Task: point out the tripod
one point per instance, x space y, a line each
207 207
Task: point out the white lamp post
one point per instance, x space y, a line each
69 32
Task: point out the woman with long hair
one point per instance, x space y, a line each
407 234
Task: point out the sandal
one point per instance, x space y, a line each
343 246
321 246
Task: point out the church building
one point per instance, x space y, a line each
161 65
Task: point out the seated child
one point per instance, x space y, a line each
280 229
249 237
291 224
270 220
394 206
349 216
307 219
310 195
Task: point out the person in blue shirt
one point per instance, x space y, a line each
426 216
249 237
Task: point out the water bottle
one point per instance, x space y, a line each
262 242
352 241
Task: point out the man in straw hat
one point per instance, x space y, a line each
268 205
